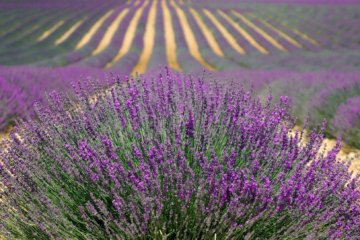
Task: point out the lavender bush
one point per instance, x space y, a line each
172 156
323 94
327 101
346 121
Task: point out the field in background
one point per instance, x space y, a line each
140 35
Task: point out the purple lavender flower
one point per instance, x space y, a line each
190 125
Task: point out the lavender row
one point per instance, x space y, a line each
21 87
321 95
314 95
109 53
23 47
278 2
44 4
52 54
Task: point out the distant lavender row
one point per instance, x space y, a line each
20 87
312 2
334 27
314 95
346 121
45 4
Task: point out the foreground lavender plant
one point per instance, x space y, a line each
172 157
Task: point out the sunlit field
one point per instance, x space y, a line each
179 119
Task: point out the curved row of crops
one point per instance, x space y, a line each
330 95
21 87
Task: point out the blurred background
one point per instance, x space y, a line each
308 50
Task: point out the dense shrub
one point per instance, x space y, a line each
346 121
172 157
326 104
314 96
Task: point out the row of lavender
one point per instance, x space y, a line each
315 95
282 2
330 95
20 43
44 4
333 24
21 87
172 156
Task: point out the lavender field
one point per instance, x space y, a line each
179 119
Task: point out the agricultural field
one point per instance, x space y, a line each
91 89
251 36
